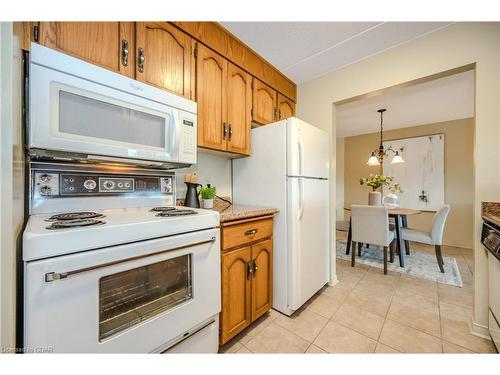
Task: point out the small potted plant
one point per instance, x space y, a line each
208 194
375 182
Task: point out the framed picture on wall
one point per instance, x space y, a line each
422 174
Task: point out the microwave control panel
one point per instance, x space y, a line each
57 185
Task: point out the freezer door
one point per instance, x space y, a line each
308 238
307 150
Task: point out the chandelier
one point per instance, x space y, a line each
378 154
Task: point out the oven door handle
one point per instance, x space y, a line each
53 276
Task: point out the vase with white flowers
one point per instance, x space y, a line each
376 181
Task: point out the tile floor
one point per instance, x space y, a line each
369 312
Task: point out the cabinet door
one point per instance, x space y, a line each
100 43
239 107
211 86
264 103
262 278
236 284
165 57
286 108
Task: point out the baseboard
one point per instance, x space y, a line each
463 246
479 330
333 281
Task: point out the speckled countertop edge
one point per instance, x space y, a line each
490 211
232 212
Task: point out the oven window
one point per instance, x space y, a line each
130 297
89 117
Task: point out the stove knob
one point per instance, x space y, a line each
108 184
45 190
45 177
89 184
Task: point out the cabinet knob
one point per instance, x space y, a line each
249 270
140 60
125 52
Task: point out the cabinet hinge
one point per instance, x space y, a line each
35 33
195 52
251 112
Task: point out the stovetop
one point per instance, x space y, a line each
48 235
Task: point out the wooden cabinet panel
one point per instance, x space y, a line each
248 232
262 278
236 293
211 97
97 42
239 106
286 108
264 103
220 40
168 57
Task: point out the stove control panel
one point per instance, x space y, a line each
46 184
116 185
53 184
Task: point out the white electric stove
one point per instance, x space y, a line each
111 265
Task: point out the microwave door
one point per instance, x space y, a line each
71 114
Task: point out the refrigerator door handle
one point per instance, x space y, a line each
301 197
301 157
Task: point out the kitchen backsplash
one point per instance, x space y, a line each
210 169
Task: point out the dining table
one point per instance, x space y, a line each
400 216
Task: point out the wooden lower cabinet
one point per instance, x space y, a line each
262 278
236 292
247 274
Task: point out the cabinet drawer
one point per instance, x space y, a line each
240 234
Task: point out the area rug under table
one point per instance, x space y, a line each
418 264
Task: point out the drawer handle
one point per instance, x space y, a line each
250 232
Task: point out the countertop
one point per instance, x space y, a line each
231 212
237 212
490 211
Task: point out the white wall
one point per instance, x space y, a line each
11 178
339 178
211 169
457 45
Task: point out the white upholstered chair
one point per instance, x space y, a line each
370 224
434 237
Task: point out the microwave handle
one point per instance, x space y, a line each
121 161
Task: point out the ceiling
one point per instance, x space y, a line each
306 50
443 99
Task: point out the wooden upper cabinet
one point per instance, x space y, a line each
236 292
239 107
262 278
211 86
264 103
286 107
165 57
100 43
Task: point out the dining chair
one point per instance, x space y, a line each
434 237
370 224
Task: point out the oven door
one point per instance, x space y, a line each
136 298
77 115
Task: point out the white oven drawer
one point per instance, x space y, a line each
131 298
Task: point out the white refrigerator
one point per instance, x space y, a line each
289 170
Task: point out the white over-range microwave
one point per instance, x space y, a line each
79 110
